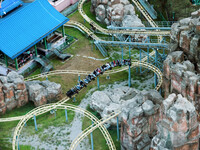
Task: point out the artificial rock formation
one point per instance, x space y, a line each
139 113
182 66
15 92
117 12
178 128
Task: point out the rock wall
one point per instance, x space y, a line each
15 92
181 67
140 112
118 12
178 128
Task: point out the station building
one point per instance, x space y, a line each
27 31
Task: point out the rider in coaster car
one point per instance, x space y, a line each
129 62
109 66
112 64
92 76
118 63
86 80
83 84
99 71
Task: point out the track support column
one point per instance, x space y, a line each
79 78
63 31
36 53
34 117
155 79
74 100
98 83
91 135
55 112
117 128
6 60
66 115
122 52
129 76
45 43
16 64
17 143
140 60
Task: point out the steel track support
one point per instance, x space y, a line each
140 60
117 128
17 143
98 83
79 78
122 52
91 136
35 122
129 76
66 115
74 100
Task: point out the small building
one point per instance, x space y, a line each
60 5
28 30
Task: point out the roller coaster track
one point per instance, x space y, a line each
128 32
45 108
60 105
91 128
145 13
76 72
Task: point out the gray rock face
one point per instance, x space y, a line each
182 65
42 92
117 12
15 92
178 127
139 113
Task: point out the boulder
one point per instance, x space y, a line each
15 92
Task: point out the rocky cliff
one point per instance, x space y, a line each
140 112
182 66
117 12
15 92
178 128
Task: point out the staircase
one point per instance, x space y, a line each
149 8
101 49
45 64
60 55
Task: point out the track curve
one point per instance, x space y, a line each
76 72
127 32
48 107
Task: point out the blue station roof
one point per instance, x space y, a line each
26 26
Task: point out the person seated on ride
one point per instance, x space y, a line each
112 64
118 63
70 93
75 90
99 71
129 62
108 66
86 81
87 78
92 76
83 84
78 86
